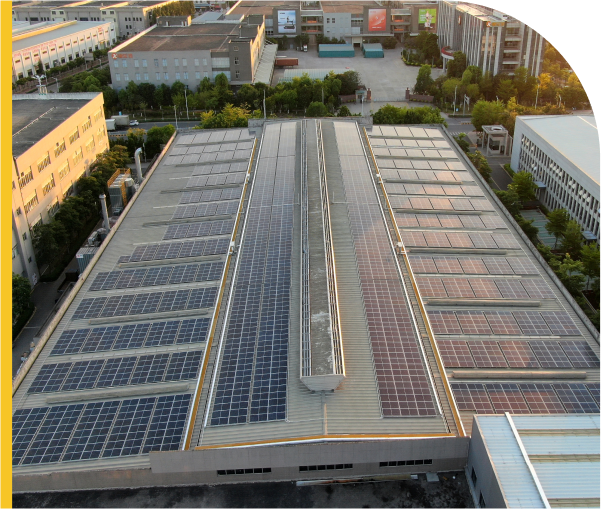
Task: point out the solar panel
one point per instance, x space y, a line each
519 354
183 365
53 435
485 288
502 322
423 265
473 266
549 354
472 398
129 428
458 288
455 354
506 397
99 339
150 369
83 375
116 372
594 390
487 354
522 266
447 265
131 336
581 355
511 289
26 423
50 378
70 341
193 330
431 287
560 323
167 424
497 266
576 398
473 322
444 322
537 289
531 323
542 399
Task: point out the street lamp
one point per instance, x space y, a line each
536 102
175 111
455 100
186 96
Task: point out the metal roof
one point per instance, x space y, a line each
62 30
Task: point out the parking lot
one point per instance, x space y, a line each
387 77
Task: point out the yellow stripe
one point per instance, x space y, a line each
439 363
216 315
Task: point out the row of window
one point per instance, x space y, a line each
123 62
165 76
403 463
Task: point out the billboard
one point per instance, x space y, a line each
286 22
376 20
427 17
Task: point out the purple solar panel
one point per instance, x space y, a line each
455 354
576 398
507 397
531 323
473 322
594 390
444 322
519 354
542 399
472 398
549 354
487 354
560 323
581 355
502 322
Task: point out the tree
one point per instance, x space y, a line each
510 200
221 91
21 295
344 111
456 66
146 92
230 116
424 79
487 85
590 262
157 136
557 222
524 83
527 227
506 90
45 245
317 109
572 239
569 272
524 186
177 88
449 88
481 164
350 81
462 142
135 140
486 113
476 73
389 114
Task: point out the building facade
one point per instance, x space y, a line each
490 39
562 153
55 139
166 54
56 43
129 17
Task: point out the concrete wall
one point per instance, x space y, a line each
200 467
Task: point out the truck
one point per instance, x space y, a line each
121 121
285 62
110 124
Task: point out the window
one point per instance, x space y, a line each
29 204
157 76
176 62
166 75
474 477
26 178
97 115
402 463
242 471
126 77
60 148
236 61
196 61
136 63
42 163
90 144
164 62
68 192
185 75
144 63
101 132
116 63
74 136
204 61
197 75
206 74
64 170
47 187
184 62
339 466
237 74
145 76
137 76
235 48
124 63
77 156
117 77
177 76
156 62
15 251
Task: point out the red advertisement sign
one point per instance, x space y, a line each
377 20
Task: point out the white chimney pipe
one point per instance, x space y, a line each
138 164
105 213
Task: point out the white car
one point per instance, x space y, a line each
134 122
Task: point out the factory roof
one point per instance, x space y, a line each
46 33
259 7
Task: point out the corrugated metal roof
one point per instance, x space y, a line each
572 479
553 444
554 421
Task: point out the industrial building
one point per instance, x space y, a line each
191 52
129 17
55 139
534 461
55 43
304 299
562 154
493 41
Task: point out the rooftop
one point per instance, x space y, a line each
63 29
33 119
259 7
352 7
576 137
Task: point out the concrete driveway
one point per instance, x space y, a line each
387 77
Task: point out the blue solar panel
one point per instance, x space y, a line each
167 425
193 330
70 341
183 366
131 336
129 428
50 378
100 339
150 368
116 372
83 375
26 423
576 398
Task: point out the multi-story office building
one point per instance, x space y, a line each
55 139
166 54
130 17
55 43
490 39
562 153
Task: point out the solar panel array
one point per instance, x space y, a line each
406 170
425 203
198 154
219 179
202 229
467 221
116 371
393 189
98 430
170 250
251 385
480 288
229 193
517 354
402 378
142 303
156 276
215 208
469 265
525 398
460 240
507 322
219 168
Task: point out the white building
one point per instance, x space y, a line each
55 139
562 153
56 43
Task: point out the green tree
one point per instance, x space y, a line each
146 92
21 295
221 91
344 111
510 200
177 88
589 257
569 272
451 89
157 136
476 73
135 139
557 222
506 90
486 113
462 142
481 164
424 79
572 239
350 81
524 186
527 227
456 66
45 245
317 109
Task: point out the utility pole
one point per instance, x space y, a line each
186 96
175 111
264 107
536 102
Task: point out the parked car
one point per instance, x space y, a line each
134 122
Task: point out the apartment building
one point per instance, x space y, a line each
490 39
55 139
562 153
55 43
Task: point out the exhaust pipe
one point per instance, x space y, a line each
105 214
138 164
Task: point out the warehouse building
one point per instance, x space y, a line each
166 54
307 299
54 142
56 43
562 153
129 17
490 39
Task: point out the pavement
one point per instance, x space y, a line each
450 491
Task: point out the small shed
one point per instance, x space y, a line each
336 50
374 50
